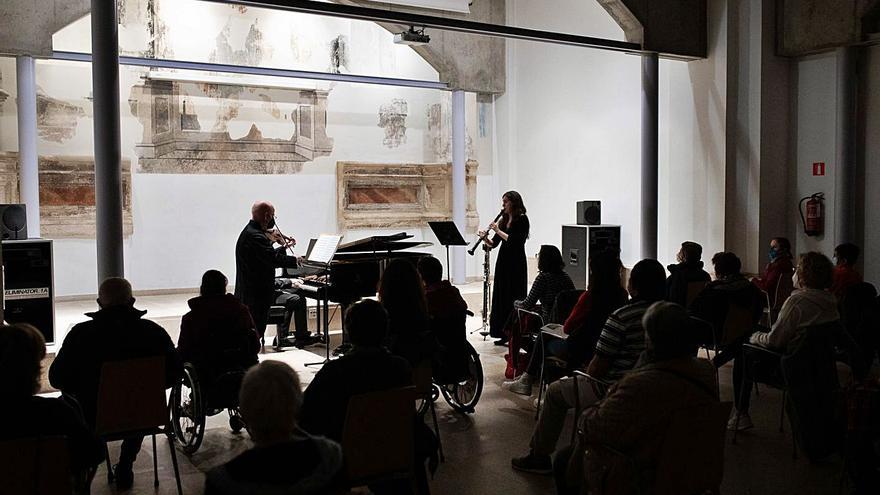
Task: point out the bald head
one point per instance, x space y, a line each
115 291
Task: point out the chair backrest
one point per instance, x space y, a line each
39 465
377 439
131 396
692 456
783 290
564 304
739 321
694 289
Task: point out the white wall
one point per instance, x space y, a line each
574 124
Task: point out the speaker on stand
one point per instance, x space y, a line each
13 222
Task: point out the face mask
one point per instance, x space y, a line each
772 254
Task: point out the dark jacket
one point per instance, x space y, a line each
304 466
255 264
777 271
680 276
712 303
363 370
40 416
448 321
114 334
218 332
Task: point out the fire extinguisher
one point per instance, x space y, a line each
814 218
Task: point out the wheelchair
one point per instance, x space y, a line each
462 391
192 402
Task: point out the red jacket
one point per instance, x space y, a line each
845 276
774 273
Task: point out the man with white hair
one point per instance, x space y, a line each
255 264
284 459
116 332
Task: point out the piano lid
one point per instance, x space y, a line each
381 243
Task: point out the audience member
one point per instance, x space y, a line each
604 295
635 414
402 294
551 280
845 274
730 287
776 277
688 269
447 311
116 332
25 415
811 305
217 333
284 458
621 342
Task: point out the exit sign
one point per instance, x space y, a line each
818 168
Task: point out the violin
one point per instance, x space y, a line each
275 235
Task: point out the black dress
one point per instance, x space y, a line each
511 274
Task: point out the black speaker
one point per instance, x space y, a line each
579 241
29 291
13 222
589 212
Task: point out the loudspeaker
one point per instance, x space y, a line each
589 212
13 222
29 291
579 241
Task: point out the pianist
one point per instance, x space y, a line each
256 261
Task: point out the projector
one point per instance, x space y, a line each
412 37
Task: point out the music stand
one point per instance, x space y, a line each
448 235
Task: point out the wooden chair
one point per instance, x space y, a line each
38 466
131 402
377 438
422 379
693 290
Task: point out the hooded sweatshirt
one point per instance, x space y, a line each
680 276
804 308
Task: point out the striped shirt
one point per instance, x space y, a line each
623 339
544 289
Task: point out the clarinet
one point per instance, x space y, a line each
480 238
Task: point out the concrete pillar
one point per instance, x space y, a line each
108 174
29 185
650 157
846 173
459 190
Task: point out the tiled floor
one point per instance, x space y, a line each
478 447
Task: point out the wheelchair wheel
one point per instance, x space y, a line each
236 423
463 396
187 411
422 407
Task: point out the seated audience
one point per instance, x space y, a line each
25 415
845 273
688 269
775 280
603 296
621 342
812 304
402 294
730 287
217 334
284 458
116 332
447 313
633 417
551 280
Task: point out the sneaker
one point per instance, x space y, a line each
123 475
521 386
745 422
306 341
532 463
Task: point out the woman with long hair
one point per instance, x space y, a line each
511 272
402 294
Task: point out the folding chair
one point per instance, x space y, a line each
131 402
422 375
522 328
377 438
38 465
777 382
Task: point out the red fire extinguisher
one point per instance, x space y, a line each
814 218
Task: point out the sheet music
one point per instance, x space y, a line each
324 249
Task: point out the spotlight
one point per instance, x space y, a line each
412 37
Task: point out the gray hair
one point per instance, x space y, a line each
270 399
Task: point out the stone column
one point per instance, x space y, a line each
108 173
29 179
846 173
650 160
459 191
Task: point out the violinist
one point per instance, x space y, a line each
256 260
